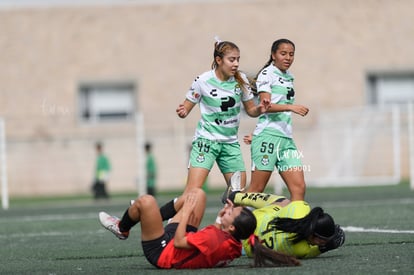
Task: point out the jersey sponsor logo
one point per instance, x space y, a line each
234 120
218 121
226 122
290 93
226 103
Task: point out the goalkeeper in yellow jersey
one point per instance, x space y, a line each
290 227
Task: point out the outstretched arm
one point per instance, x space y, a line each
297 109
275 108
254 110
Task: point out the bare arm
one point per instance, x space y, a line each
180 239
248 139
274 108
254 110
184 108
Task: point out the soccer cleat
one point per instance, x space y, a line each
233 185
111 223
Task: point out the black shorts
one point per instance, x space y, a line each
153 248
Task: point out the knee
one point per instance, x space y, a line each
199 193
145 201
301 184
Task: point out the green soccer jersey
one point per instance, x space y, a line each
102 168
220 104
151 170
280 86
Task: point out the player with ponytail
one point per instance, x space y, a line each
290 227
272 144
180 244
220 93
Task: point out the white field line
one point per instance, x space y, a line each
66 217
344 204
48 217
50 234
101 231
94 215
375 230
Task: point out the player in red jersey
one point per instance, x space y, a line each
180 244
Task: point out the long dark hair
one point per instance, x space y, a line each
317 223
245 224
266 257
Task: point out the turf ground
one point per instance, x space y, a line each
63 236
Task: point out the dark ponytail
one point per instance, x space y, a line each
245 224
266 257
317 222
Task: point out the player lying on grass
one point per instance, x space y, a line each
290 227
181 245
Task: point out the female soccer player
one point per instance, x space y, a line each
272 144
220 93
292 228
180 244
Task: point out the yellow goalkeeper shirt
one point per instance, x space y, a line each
279 240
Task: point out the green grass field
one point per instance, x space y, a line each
63 236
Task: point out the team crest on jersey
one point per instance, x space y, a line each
237 89
265 160
201 158
195 94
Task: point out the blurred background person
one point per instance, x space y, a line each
151 167
102 170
